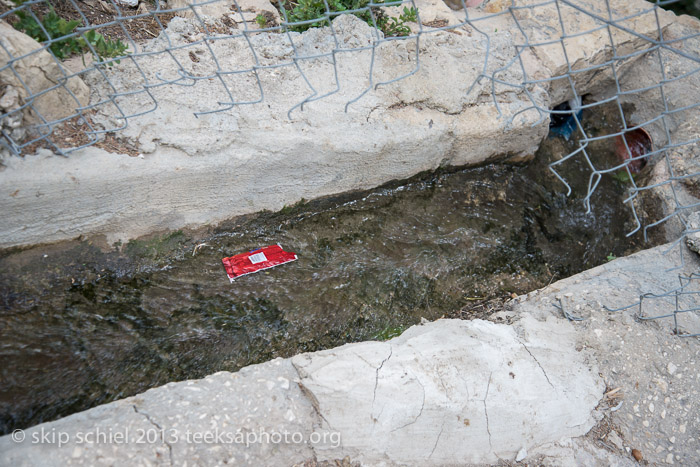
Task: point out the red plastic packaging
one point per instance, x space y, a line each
256 260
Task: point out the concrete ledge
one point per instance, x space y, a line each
205 169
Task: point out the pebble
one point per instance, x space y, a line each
672 439
682 428
669 458
651 407
522 454
645 423
615 439
671 368
284 382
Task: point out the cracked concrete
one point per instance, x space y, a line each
449 392
486 411
376 376
425 402
538 364
199 170
160 432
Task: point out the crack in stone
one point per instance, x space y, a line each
442 381
538 364
466 385
486 411
160 430
419 413
442 427
314 403
376 373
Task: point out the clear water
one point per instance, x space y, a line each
82 327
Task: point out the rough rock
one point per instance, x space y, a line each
693 237
651 410
423 122
449 112
459 4
678 157
223 418
448 391
588 42
11 123
128 3
58 94
453 392
223 7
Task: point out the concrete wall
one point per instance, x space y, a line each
201 170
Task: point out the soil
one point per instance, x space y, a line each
139 24
75 133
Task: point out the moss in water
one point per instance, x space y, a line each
155 248
292 209
389 333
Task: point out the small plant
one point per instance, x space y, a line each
389 333
63 42
310 10
611 257
55 26
622 176
290 209
261 21
396 27
103 47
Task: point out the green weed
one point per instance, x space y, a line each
307 11
261 21
62 39
389 333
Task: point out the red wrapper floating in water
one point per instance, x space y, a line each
256 260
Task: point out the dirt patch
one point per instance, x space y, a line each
135 24
77 132
438 23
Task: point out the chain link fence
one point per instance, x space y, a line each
89 41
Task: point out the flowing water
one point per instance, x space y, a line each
81 326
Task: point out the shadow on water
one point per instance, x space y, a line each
82 327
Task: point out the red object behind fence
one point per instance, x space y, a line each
256 260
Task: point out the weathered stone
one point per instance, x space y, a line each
693 241
10 98
449 391
681 90
459 4
224 418
11 123
40 73
420 123
128 3
453 392
430 119
589 42
220 8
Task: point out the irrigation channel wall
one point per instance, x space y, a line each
216 117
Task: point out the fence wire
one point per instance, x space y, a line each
109 34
